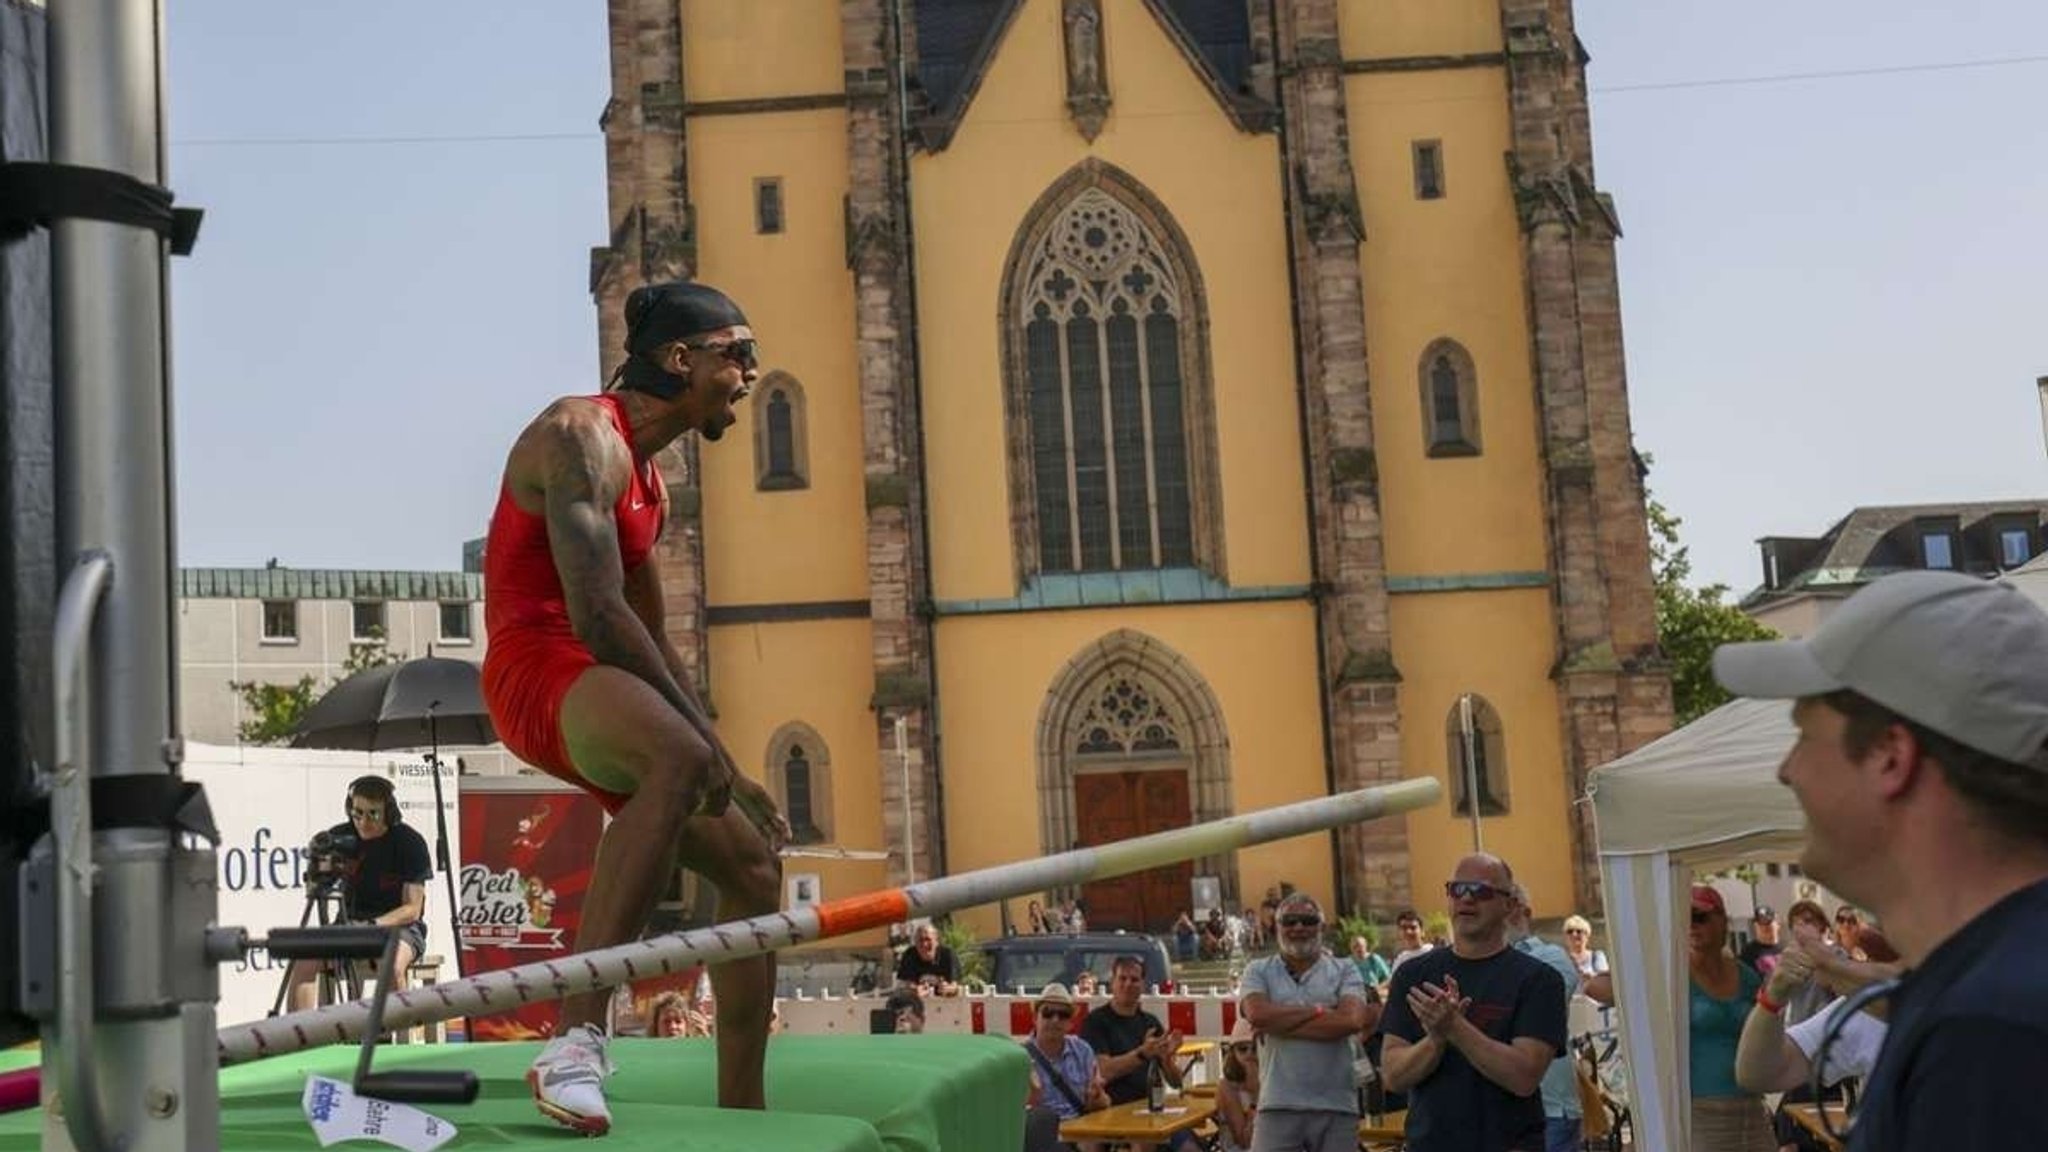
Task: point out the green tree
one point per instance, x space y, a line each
1691 622
275 710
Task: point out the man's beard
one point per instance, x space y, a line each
712 430
1300 949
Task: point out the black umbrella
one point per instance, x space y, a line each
410 704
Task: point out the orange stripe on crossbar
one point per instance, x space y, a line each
873 910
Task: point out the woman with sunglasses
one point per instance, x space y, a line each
1725 1118
1237 1098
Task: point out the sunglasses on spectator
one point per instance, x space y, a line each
1699 917
743 352
1300 920
1056 1013
1242 1048
1472 890
1845 918
367 815
1575 931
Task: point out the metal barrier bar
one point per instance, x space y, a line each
506 990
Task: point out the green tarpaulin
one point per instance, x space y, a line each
858 1093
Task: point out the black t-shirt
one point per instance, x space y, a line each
1966 1056
1456 1108
1753 954
943 965
1111 1034
382 868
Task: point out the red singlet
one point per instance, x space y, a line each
533 655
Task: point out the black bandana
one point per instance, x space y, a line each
658 314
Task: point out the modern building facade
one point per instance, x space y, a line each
1175 408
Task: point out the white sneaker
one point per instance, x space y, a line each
567 1079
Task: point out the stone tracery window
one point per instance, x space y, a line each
1125 718
1111 422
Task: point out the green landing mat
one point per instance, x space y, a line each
948 1093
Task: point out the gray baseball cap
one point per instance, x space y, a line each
1965 657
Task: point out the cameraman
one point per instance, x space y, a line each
384 869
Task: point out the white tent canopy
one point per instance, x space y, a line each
1703 798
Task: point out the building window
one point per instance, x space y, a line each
1429 170
1450 400
800 777
2015 547
281 621
366 620
1489 760
1938 549
455 622
768 205
781 456
1111 457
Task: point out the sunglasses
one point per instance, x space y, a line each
1472 890
1699 917
1242 1048
1575 931
1299 921
1056 1013
1845 920
366 815
744 352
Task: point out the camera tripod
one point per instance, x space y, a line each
339 981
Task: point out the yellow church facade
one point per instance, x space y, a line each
1170 408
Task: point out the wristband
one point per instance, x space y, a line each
1319 1012
1764 1001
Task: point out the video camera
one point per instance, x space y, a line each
329 855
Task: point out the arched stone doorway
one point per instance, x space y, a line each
1131 741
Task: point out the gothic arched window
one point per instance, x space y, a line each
781 460
1450 400
800 778
1489 760
1111 422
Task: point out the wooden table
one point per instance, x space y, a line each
1392 1128
1133 1123
1808 1117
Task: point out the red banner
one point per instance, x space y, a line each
527 859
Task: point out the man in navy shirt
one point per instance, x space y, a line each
1472 1028
1922 716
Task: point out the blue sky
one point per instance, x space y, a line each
1833 289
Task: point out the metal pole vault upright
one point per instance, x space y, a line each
117 899
507 989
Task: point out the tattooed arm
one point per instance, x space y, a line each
584 469
643 593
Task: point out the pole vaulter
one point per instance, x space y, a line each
507 989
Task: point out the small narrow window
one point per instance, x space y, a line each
1938 550
1450 400
281 621
1429 170
781 461
796 782
455 622
366 620
768 205
2015 546
800 776
1489 760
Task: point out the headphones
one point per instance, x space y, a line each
374 788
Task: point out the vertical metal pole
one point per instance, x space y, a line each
1471 767
151 1047
909 836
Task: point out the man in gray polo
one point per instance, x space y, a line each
1922 766
1306 1006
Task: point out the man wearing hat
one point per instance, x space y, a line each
582 682
1921 708
1761 953
1064 1074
